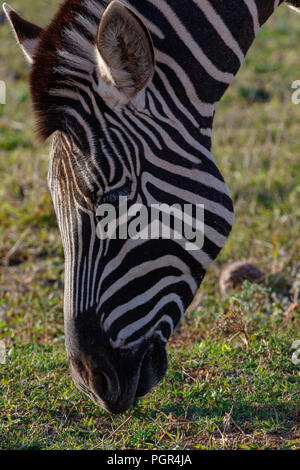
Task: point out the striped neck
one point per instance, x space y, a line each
206 58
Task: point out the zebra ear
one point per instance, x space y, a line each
27 33
125 54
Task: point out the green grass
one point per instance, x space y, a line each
231 383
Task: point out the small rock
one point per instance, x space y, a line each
234 274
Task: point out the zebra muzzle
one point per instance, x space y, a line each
115 380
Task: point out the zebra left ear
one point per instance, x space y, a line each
125 54
27 33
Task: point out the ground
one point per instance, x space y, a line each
231 382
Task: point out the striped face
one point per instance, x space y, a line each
124 297
132 121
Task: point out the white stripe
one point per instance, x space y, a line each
66 72
87 177
168 141
202 108
276 4
193 46
90 263
135 171
76 61
90 138
143 269
254 13
67 93
68 243
95 8
176 100
188 197
130 329
207 132
150 26
194 174
114 263
87 23
142 299
221 28
78 43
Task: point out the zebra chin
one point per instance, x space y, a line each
114 378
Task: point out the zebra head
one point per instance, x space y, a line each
120 131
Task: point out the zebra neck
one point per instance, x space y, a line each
201 44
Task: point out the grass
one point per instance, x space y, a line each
231 383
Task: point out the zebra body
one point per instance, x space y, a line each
130 91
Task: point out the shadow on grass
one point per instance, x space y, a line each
8 443
277 414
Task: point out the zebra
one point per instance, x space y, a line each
129 89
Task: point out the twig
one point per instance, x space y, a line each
15 247
114 432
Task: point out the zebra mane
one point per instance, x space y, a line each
66 49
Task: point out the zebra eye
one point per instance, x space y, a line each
112 197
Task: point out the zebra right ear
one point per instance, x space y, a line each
27 34
125 54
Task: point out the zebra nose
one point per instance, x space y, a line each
107 392
116 388
105 387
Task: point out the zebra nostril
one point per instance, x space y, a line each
100 382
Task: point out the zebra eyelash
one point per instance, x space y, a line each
112 197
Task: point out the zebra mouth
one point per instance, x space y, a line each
113 383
